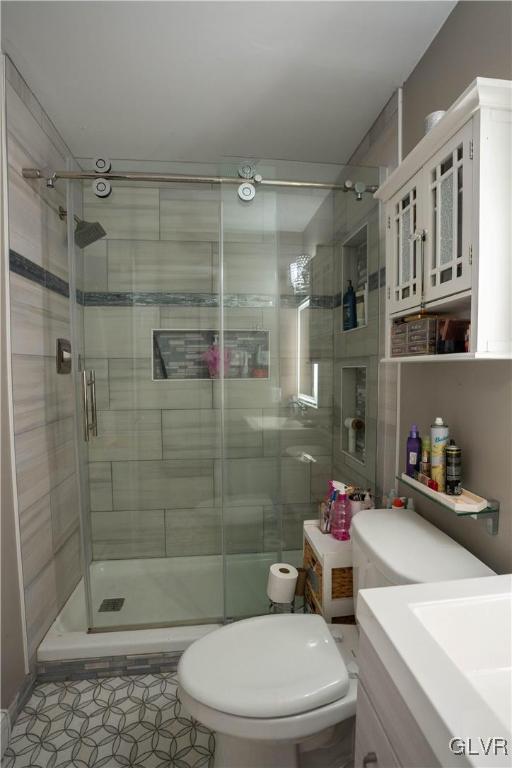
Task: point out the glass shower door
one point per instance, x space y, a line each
277 395
151 313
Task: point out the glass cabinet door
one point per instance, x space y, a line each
403 222
448 189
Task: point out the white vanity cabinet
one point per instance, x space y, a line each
387 735
448 209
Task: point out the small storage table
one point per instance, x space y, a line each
328 565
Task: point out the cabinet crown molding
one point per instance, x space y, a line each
483 93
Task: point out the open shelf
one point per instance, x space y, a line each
490 513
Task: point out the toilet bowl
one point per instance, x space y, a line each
273 687
270 685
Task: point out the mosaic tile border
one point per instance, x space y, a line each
28 269
107 666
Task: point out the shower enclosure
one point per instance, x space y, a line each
215 380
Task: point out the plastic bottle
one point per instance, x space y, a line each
341 518
413 451
439 434
425 456
349 308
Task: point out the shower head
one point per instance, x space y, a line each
86 232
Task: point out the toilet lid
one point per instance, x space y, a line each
269 666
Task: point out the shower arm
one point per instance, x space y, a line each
51 178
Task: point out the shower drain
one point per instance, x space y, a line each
111 604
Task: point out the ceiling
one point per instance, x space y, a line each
205 80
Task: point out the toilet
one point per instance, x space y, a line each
274 688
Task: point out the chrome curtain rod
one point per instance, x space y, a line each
51 177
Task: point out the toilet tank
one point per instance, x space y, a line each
397 546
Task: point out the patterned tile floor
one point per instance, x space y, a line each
111 721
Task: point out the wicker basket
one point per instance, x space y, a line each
342 585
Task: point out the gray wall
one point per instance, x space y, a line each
474 41
475 399
13 665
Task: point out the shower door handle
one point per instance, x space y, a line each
89 415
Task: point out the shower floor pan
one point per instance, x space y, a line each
186 592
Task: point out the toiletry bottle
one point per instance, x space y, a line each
349 308
453 469
368 501
425 456
413 451
341 518
439 433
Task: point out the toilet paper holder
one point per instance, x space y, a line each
274 607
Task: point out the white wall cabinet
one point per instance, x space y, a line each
448 209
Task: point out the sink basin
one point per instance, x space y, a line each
475 633
275 423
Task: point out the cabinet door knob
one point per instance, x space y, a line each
369 758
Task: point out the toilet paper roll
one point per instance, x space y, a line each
282 579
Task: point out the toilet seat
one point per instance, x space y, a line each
266 667
292 728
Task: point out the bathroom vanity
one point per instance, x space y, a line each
435 665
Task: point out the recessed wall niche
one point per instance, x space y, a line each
355 270
196 354
353 412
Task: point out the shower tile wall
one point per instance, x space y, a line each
156 468
358 347
43 401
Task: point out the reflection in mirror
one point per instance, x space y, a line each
307 371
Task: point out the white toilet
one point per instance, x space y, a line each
272 687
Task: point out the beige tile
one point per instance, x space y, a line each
41 606
249 393
197 433
190 434
243 529
95 266
250 268
321 473
127 435
157 484
100 486
64 509
131 386
130 213
248 481
159 266
189 214
295 481
36 538
308 433
283 525
38 318
35 230
45 456
68 568
100 367
243 432
190 318
254 223
320 333
193 532
119 535
119 331
40 394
